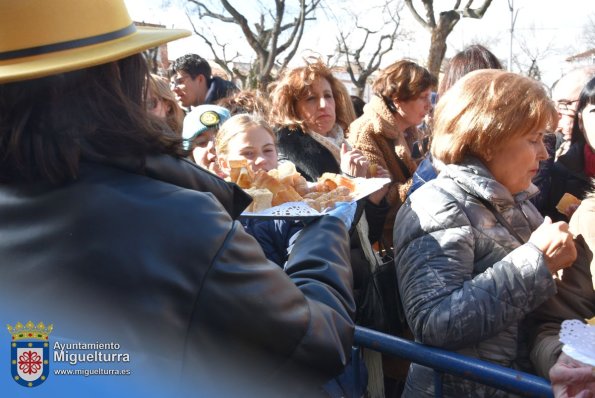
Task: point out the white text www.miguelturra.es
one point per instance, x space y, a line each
92 372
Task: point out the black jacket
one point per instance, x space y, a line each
312 160
567 176
218 89
165 272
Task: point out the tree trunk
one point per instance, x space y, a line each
445 25
359 90
437 52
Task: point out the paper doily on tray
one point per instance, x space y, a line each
579 341
293 209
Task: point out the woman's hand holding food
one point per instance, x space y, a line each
353 162
556 243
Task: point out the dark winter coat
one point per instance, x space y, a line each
218 89
164 271
274 236
568 175
312 160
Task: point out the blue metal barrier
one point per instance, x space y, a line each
443 361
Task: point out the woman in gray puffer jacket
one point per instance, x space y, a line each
473 255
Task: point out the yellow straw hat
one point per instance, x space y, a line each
44 37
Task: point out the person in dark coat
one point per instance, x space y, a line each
111 236
573 171
311 109
565 93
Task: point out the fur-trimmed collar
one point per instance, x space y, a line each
382 119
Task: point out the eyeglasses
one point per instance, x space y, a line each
566 106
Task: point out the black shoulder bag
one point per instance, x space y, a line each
380 307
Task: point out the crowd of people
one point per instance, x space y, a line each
115 210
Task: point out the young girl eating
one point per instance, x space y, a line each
249 137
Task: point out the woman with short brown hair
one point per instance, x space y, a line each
472 253
471 126
385 133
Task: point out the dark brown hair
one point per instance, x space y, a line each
48 124
471 58
404 80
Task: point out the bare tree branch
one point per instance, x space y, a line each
426 24
589 32
265 41
358 69
533 54
476 13
243 23
222 60
203 11
297 38
446 23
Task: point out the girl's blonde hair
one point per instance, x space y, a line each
294 85
159 87
239 124
484 110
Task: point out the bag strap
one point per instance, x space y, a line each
499 217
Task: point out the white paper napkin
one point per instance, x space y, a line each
579 341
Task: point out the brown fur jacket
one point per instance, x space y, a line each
375 134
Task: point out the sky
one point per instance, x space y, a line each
550 28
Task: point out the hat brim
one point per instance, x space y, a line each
69 60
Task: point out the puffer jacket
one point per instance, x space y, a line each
164 271
465 281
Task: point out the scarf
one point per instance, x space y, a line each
589 161
332 142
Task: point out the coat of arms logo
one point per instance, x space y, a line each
29 353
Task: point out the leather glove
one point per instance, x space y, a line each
344 211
